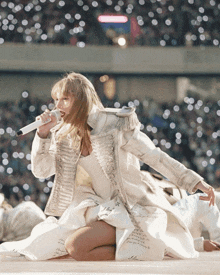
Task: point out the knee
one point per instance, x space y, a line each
74 249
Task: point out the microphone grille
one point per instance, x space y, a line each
57 114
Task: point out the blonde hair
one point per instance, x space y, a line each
82 90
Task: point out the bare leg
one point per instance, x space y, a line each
94 242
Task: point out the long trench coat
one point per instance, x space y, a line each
147 226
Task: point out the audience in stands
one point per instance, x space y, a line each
152 22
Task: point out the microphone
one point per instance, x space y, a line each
34 125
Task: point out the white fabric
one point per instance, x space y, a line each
17 223
154 236
196 213
100 183
158 231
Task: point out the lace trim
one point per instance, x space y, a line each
64 183
103 147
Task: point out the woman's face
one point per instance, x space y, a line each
64 104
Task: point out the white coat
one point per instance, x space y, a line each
147 226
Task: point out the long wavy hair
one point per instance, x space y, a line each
82 90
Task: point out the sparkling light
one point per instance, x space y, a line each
27 198
117 105
155 141
26 186
28 156
21 155
162 43
171 8
178 141
168 22
46 189
4 155
190 107
5 161
199 120
80 3
15 189
50 184
32 108
212 161
24 94
95 4
43 107
121 41
80 44
141 2
14 142
154 130
168 145
149 128
2 131
209 153
85 8
109 2
154 22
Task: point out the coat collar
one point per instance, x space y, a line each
93 116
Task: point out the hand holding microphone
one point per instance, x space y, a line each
44 123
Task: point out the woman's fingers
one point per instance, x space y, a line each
45 117
217 245
207 189
210 196
49 122
210 246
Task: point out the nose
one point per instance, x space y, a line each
58 104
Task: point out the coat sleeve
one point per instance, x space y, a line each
140 145
42 162
199 244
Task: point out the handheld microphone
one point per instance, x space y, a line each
34 125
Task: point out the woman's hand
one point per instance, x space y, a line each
211 246
44 130
207 189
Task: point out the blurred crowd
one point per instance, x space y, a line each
188 131
152 22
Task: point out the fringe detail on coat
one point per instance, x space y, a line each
128 123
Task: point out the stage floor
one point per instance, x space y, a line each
207 263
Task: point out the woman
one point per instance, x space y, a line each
122 214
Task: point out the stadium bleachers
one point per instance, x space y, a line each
152 23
